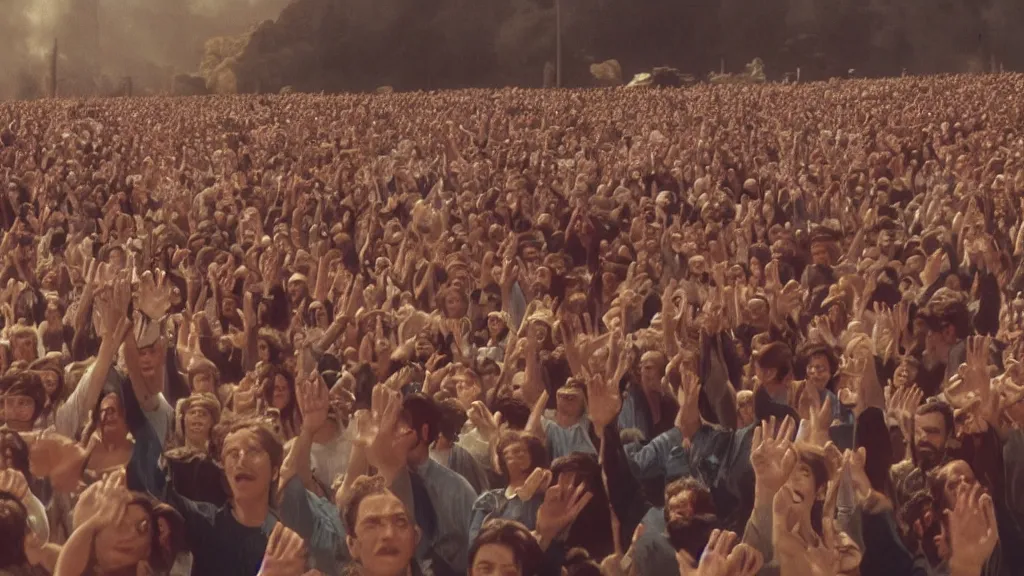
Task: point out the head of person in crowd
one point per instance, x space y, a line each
50 371
507 548
571 401
24 399
195 419
121 546
24 344
152 344
380 532
518 455
946 322
423 416
687 498
279 391
819 364
203 376
933 429
251 455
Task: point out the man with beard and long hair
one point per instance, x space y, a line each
933 427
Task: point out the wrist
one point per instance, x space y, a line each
963 567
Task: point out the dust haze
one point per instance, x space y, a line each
104 41
336 45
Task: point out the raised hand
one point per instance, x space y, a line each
688 418
720 558
285 555
603 401
973 532
489 425
314 401
154 295
391 444
771 455
537 483
111 498
563 502
13 482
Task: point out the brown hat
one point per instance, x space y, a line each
200 365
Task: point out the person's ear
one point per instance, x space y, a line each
416 538
353 547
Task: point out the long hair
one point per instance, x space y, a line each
13 529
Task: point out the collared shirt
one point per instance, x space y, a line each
564 441
452 499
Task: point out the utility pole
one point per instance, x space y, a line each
558 43
53 70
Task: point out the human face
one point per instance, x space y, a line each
930 438
24 348
467 390
228 307
801 486
424 348
517 459
117 260
263 349
651 372
18 410
321 317
112 424
296 291
454 305
385 538
203 382
539 331
569 401
745 408
247 466
125 543
495 560
53 319
820 255
282 393
905 375
151 359
50 381
494 326
680 506
818 371
956 473
198 423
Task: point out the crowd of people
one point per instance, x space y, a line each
720 331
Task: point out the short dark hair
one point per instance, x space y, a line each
513 536
936 406
453 418
515 412
776 356
703 503
25 383
420 410
363 488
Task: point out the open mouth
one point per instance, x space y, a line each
244 477
798 498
